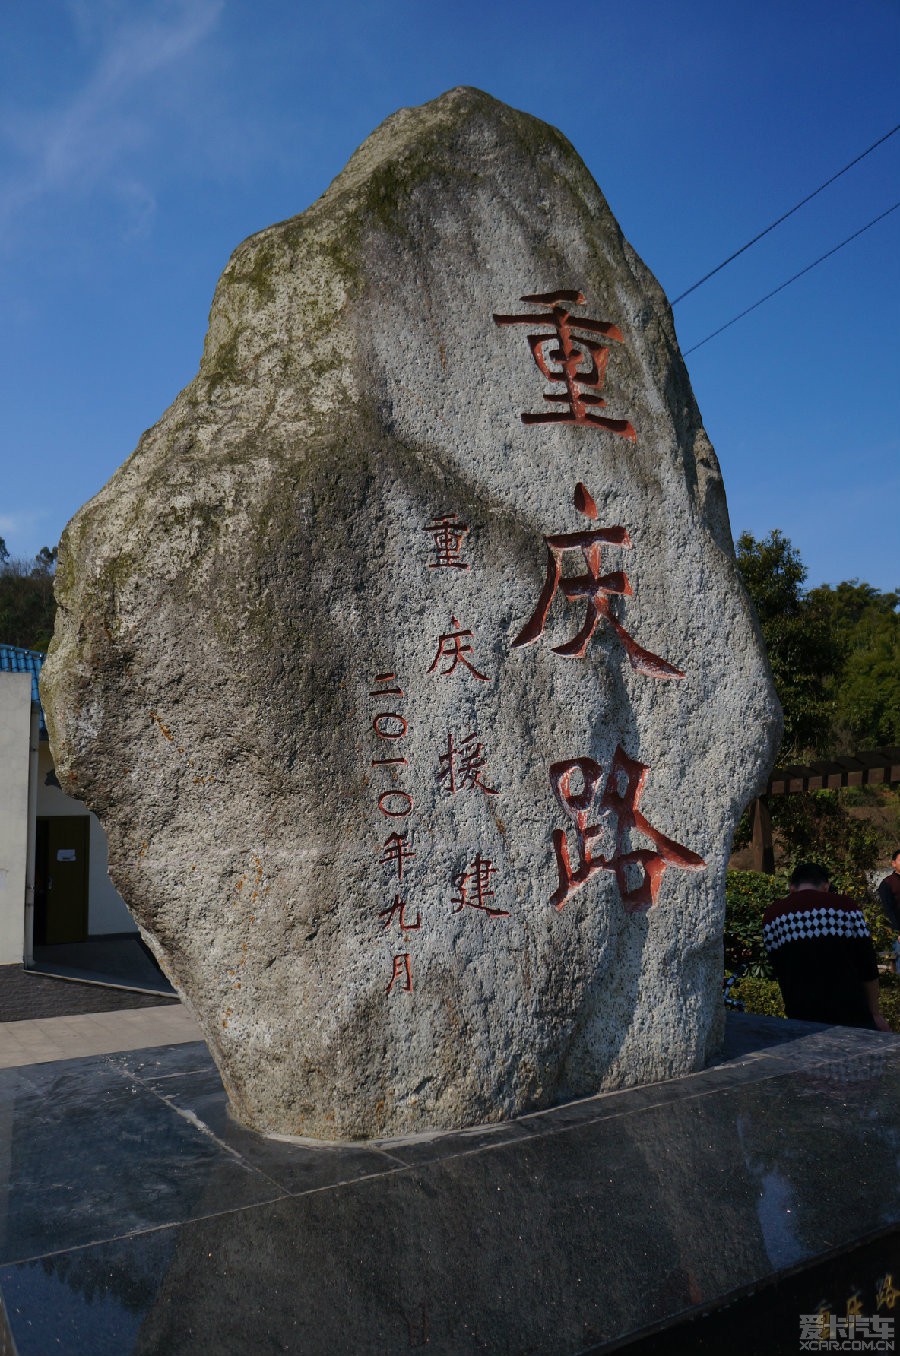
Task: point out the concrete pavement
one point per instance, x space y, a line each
99 1033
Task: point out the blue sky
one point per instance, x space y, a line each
142 140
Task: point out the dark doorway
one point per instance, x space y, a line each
62 845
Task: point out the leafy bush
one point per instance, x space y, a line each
747 895
761 996
883 935
890 1000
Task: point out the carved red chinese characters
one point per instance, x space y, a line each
398 910
396 852
402 971
475 888
395 803
448 535
462 765
594 588
619 807
454 646
564 355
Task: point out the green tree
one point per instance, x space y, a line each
835 656
45 560
799 639
816 827
27 605
865 625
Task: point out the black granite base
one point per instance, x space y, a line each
707 1213
121 959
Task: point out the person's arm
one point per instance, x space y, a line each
863 956
873 998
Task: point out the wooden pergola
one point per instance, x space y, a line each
868 767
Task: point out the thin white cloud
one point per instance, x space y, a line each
17 525
87 141
139 206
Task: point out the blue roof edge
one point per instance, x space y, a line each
13 659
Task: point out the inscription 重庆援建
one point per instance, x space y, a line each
594 588
474 886
460 768
462 765
621 805
568 354
452 645
447 534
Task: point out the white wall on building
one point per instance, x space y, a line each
15 724
107 911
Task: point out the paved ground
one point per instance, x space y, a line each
25 996
44 1019
100 1033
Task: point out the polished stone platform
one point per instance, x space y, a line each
121 960
136 1217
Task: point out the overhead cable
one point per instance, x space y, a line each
782 286
802 203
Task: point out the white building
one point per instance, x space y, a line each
54 886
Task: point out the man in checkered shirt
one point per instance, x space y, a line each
822 954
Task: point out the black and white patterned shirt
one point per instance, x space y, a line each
820 949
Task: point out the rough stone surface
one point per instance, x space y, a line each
229 600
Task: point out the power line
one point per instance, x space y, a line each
713 271
783 285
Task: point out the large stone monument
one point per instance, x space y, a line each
406 662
